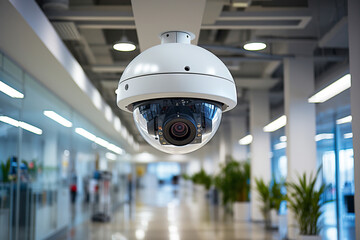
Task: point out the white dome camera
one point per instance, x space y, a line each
177 93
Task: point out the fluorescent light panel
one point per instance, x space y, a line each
276 124
21 124
57 118
99 141
348 135
246 140
332 90
283 138
11 92
85 134
280 145
110 156
343 120
323 136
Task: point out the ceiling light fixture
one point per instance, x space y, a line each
280 145
124 45
283 139
348 135
276 124
23 125
254 46
85 134
110 156
332 90
324 136
343 120
246 140
11 92
57 118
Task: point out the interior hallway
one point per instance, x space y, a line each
169 213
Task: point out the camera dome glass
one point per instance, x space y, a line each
177 126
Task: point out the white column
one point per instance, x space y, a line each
354 52
300 128
260 147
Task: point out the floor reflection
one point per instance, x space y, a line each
170 213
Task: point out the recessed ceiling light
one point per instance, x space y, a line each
124 45
254 46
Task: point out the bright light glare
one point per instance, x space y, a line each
254 46
85 134
324 136
23 125
124 46
174 236
140 234
115 149
11 92
110 156
172 229
347 119
280 145
246 140
276 124
283 138
57 118
102 142
332 90
348 135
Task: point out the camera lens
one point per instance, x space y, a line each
179 131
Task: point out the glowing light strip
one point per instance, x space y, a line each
57 118
276 124
21 124
332 90
246 140
323 136
347 119
11 92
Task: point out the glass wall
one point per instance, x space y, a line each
335 153
45 165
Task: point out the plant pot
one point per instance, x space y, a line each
274 216
309 237
241 211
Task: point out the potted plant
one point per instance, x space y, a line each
202 180
306 202
277 197
234 183
265 197
5 171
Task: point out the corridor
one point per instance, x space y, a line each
170 213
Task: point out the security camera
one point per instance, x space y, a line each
177 93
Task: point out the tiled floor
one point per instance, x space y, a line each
165 213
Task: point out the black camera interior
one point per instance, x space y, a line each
178 121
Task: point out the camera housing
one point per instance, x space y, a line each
177 93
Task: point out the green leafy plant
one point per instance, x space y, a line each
234 182
186 177
271 197
5 170
265 197
306 202
202 178
276 195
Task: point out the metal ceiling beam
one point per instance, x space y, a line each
254 19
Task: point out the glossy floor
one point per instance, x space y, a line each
168 213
